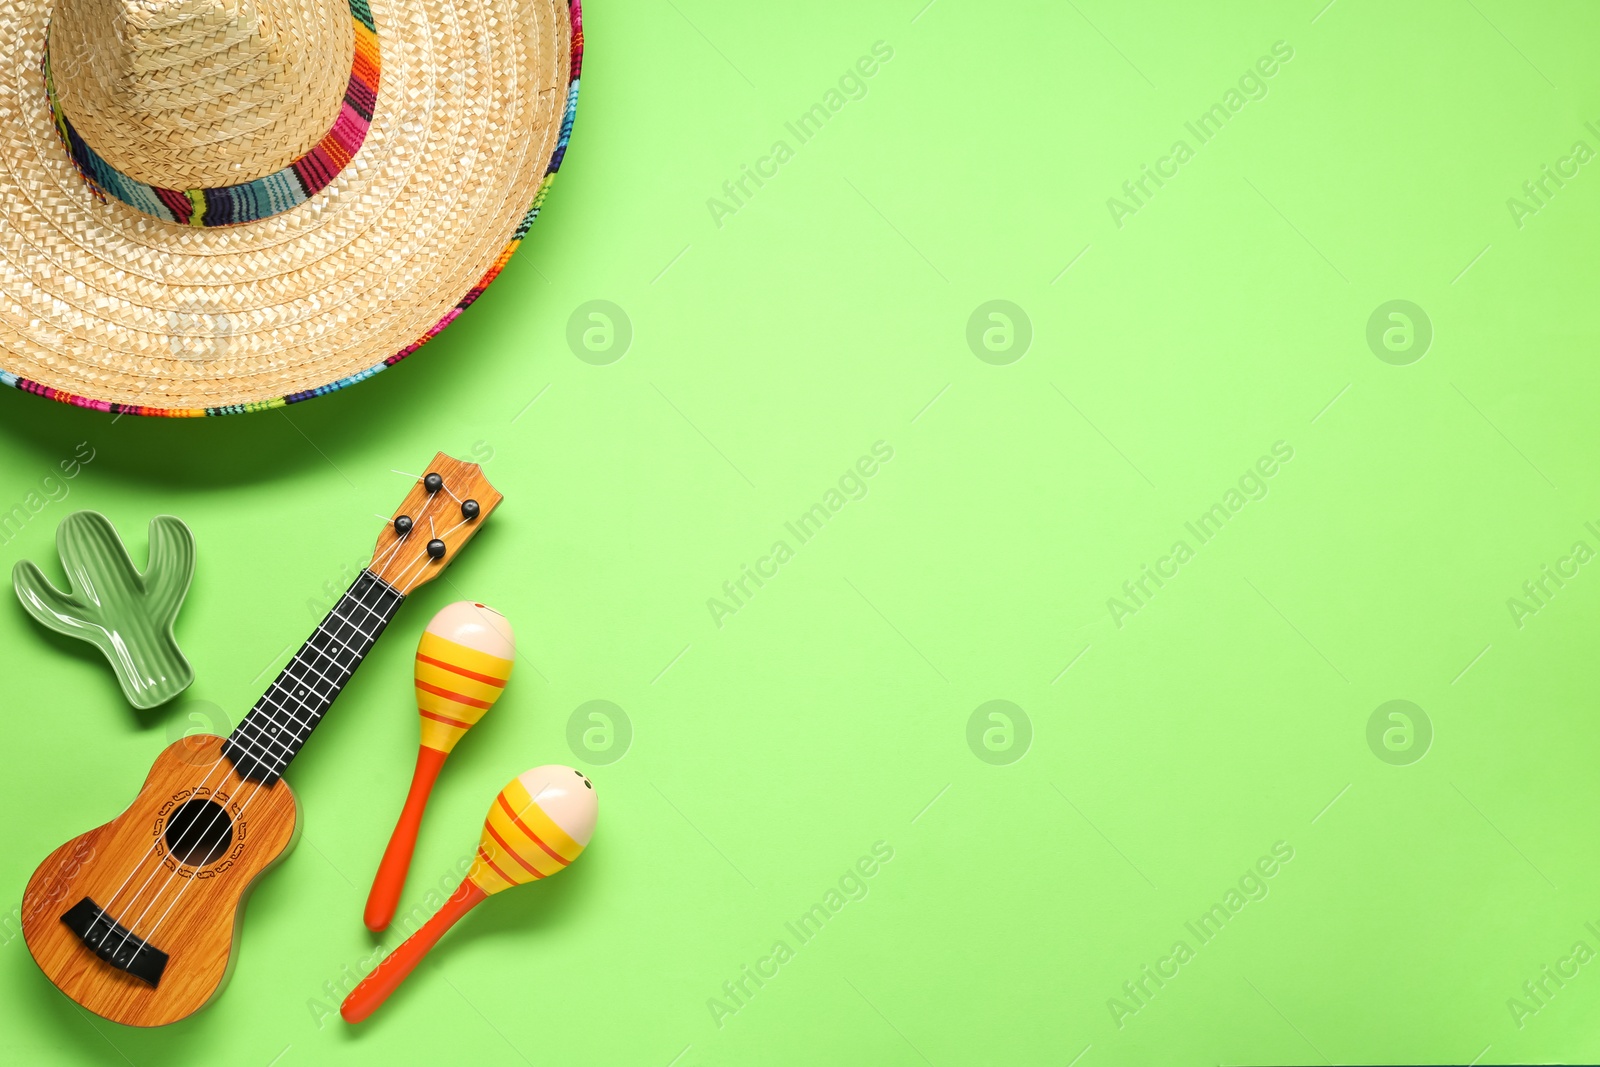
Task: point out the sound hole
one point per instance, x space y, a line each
199 832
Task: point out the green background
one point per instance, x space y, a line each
1162 752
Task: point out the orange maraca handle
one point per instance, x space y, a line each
375 988
391 876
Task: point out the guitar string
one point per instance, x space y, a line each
268 742
247 743
421 564
224 762
275 746
316 715
251 748
378 565
219 764
384 562
251 745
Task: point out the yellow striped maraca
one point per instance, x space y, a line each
463 662
541 821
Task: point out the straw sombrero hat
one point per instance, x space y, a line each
211 206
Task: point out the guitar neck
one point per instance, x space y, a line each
441 513
276 728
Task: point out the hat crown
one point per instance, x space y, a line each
188 94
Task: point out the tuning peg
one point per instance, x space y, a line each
402 525
541 821
432 482
464 660
469 509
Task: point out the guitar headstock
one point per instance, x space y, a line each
438 516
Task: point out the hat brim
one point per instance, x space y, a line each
105 307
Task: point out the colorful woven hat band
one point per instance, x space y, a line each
140 134
262 197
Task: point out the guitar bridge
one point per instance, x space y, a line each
114 943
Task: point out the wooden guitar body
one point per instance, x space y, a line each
188 900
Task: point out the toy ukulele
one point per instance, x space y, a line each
135 920
538 824
463 663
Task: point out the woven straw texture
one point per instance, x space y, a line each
256 198
105 306
194 93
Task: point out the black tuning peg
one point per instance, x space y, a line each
402 525
436 548
432 482
470 509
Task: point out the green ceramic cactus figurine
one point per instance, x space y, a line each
125 614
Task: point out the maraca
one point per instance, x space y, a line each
538 824
463 663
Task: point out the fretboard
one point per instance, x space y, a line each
272 734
